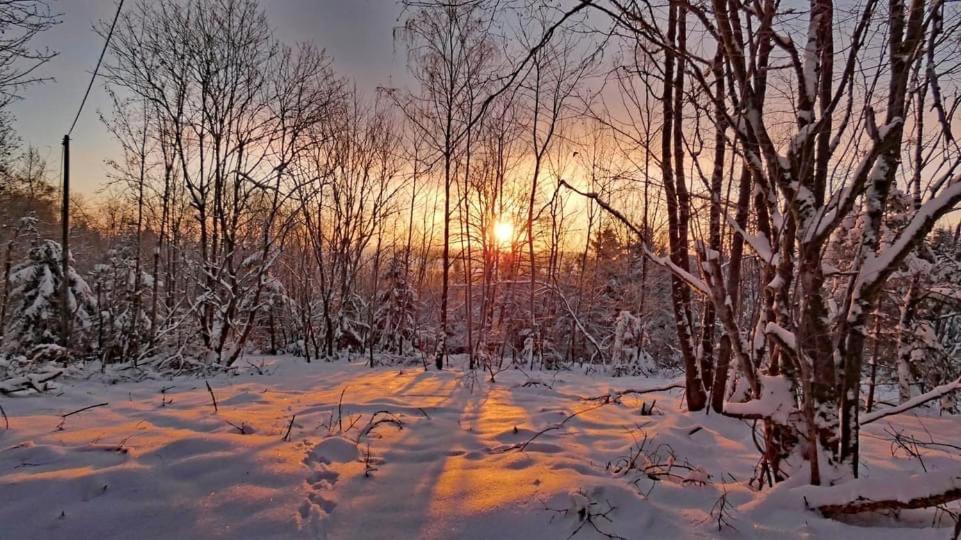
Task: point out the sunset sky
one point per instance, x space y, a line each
356 33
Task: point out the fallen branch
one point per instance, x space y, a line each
615 397
37 383
116 448
259 369
916 491
868 505
914 441
654 465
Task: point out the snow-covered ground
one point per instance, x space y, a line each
441 459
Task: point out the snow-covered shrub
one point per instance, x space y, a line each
122 322
627 354
274 317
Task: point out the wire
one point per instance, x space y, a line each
96 69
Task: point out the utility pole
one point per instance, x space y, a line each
65 207
65 246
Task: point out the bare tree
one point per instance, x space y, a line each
240 107
555 73
449 54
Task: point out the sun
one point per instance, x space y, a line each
504 232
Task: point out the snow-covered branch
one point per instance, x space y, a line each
878 267
693 281
935 393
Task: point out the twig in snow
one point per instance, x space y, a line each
655 465
340 410
523 446
243 428
368 462
213 398
87 408
589 514
720 512
353 422
647 411
532 382
63 417
259 369
907 444
930 443
376 420
163 396
289 427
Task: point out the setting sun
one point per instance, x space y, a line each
503 232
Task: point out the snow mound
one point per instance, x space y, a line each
334 450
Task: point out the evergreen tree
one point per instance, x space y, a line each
394 321
34 316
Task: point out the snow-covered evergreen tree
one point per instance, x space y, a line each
277 313
34 314
25 226
627 354
395 319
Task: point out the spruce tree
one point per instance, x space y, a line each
35 301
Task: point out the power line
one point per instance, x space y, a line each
96 69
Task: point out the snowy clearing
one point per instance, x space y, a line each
443 460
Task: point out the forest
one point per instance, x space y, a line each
648 218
